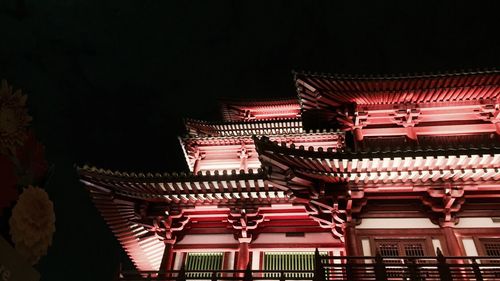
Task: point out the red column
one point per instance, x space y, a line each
350 240
196 166
410 133
452 242
243 256
358 134
168 254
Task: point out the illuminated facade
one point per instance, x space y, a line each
353 166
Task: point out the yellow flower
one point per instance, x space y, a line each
32 224
14 118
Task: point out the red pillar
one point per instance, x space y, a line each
243 256
410 133
350 240
168 256
358 134
196 166
452 242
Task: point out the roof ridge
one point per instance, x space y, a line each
380 151
223 122
445 73
168 175
229 100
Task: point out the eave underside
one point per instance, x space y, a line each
317 91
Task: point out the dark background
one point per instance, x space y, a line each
108 81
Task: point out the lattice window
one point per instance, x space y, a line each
203 261
289 261
401 247
388 249
492 248
414 249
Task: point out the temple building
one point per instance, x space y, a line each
352 166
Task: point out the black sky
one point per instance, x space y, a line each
108 81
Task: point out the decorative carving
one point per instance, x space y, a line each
195 155
407 115
446 202
329 218
165 228
247 115
491 113
244 153
245 223
354 121
339 212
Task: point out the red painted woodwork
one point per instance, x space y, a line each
350 148
454 248
243 256
168 256
351 241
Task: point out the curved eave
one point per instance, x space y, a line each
264 144
189 163
144 250
234 110
306 136
322 91
388 167
371 77
185 189
249 128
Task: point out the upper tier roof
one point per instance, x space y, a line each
318 91
253 127
245 110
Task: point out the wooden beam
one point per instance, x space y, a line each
432 130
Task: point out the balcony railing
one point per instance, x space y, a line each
378 268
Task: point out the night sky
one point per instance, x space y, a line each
109 81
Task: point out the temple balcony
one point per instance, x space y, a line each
376 268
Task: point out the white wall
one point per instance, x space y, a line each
477 222
395 223
436 243
315 237
207 239
470 247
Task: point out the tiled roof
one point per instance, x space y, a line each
330 90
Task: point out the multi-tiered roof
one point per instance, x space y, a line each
296 157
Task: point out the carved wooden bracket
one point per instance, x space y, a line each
446 202
244 153
329 218
166 228
491 113
336 214
247 115
195 155
353 121
406 115
245 223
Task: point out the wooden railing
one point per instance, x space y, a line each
333 268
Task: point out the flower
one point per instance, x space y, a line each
14 118
8 180
32 224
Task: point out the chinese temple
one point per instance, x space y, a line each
353 166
